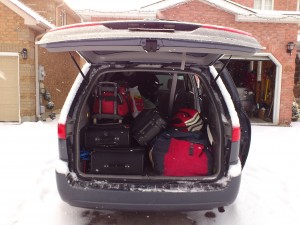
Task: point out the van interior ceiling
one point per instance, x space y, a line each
155 87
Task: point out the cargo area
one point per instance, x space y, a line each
130 122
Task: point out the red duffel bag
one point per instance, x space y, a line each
185 158
176 153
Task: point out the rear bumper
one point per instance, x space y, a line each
126 197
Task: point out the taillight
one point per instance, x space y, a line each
236 134
61 131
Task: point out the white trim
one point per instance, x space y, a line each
15 54
31 18
261 17
227 98
277 88
242 13
9 54
229 6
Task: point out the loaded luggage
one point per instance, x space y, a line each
176 153
186 119
112 101
107 135
147 125
128 160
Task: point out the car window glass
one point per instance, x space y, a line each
165 80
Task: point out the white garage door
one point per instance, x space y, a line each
9 88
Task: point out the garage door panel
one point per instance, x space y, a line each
8 95
9 89
9 80
8 112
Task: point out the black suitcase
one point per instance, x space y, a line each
107 135
118 161
147 125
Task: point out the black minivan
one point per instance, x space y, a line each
153 53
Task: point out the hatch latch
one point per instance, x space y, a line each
151 46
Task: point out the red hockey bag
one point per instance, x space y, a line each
111 101
186 119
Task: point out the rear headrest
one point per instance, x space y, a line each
180 84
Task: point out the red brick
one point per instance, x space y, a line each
15 35
274 36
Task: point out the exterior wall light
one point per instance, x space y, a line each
24 53
290 47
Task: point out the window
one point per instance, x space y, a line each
63 18
263 4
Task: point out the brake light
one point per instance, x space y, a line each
236 134
91 24
61 131
227 29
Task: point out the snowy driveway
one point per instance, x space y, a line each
269 192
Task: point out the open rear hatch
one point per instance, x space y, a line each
150 41
130 46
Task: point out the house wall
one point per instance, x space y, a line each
248 3
272 36
95 19
47 9
14 36
59 68
282 5
286 5
44 8
60 74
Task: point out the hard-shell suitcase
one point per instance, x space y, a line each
147 125
116 161
107 135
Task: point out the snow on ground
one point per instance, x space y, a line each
269 192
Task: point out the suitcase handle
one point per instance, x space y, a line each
117 166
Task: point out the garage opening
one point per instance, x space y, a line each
256 79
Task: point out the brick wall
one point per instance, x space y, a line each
95 19
273 36
248 3
44 8
48 10
60 75
285 5
282 5
60 70
14 37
